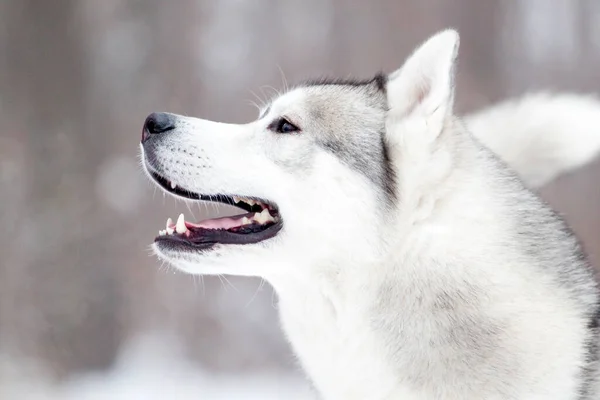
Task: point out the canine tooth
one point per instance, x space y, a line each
180 226
173 185
266 215
263 216
169 226
269 216
236 199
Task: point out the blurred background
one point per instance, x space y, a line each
85 312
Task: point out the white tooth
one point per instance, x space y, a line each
180 226
267 215
263 217
236 199
249 201
169 226
246 221
173 185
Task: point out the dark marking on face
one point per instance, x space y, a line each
379 82
371 161
359 139
389 173
317 114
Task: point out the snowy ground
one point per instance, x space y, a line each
149 368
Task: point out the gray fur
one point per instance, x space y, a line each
469 338
337 109
550 245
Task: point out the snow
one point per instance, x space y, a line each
151 367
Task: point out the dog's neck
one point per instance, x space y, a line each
329 314
325 319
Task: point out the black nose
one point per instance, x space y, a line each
157 123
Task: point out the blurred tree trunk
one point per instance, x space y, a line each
47 74
61 302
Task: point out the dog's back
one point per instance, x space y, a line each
541 136
546 246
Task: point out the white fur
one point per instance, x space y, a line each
541 135
370 295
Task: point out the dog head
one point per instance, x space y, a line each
316 176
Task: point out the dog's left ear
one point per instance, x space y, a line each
425 83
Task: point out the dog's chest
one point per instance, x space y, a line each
335 348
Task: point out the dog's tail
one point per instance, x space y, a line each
541 135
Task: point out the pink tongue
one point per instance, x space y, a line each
219 223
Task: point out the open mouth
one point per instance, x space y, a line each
260 221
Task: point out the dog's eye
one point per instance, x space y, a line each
282 125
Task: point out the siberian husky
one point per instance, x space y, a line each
410 256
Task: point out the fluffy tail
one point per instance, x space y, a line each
541 135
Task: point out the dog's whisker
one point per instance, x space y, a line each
258 289
283 79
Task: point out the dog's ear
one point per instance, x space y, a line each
424 84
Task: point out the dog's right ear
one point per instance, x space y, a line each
424 85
